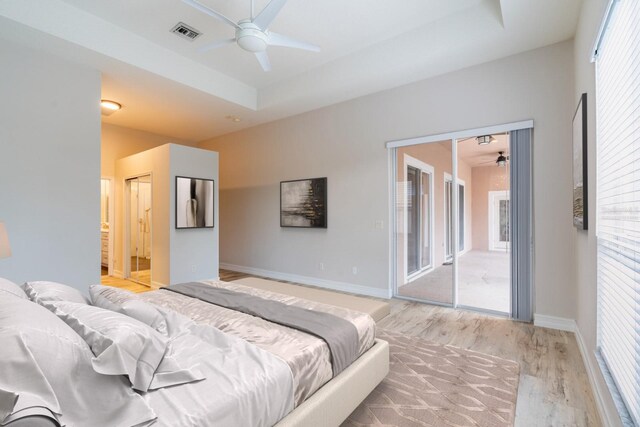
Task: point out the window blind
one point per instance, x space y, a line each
618 199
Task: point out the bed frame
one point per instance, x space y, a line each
333 402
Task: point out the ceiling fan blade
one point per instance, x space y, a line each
216 44
204 9
269 13
276 39
263 59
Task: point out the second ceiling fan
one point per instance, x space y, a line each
252 34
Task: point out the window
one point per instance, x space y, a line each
618 199
419 217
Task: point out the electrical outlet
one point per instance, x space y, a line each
321 266
354 270
379 224
193 268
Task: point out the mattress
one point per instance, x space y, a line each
307 356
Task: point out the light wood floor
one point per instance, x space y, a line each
124 284
554 389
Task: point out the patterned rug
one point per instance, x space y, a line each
434 385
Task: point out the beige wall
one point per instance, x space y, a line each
485 179
119 142
49 167
585 241
345 142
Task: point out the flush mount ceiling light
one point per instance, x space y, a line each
484 139
109 107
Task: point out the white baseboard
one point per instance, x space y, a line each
570 325
313 281
598 393
157 285
552 322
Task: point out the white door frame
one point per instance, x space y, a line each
112 220
493 197
392 159
126 249
426 168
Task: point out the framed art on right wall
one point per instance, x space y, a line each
580 206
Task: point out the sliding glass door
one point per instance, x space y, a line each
453 224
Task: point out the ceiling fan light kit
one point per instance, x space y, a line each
501 161
252 34
251 38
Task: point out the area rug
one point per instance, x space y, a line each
434 385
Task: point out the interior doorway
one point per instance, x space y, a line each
453 201
139 222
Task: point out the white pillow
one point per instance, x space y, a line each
11 288
52 291
128 303
48 366
121 345
164 320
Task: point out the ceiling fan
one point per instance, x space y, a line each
252 34
500 161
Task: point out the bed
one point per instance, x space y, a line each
257 371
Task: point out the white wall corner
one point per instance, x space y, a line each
553 322
312 281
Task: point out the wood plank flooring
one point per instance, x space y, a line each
124 284
554 389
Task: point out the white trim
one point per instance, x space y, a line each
157 285
447 178
392 222
112 220
598 393
118 274
313 281
602 30
506 127
553 322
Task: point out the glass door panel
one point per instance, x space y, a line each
484 261
139 228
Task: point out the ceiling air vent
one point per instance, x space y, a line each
185 31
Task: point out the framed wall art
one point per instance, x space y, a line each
194 202
303 203
580 206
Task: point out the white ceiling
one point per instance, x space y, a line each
168 87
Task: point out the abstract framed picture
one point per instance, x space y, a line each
194 202
580 206
303 203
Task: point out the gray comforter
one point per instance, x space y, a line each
340 335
